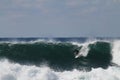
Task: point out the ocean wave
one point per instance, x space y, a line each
58 55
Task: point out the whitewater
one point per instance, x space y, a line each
16 66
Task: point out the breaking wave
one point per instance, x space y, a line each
58 55
59 60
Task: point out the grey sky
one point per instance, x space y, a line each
59 18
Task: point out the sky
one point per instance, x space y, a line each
59 18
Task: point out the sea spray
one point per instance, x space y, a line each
116 51
15 71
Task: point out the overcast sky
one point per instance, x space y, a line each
59 18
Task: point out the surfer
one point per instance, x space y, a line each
76 51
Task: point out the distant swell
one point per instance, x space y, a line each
57 55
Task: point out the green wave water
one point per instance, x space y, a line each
57 55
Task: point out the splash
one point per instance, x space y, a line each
15 71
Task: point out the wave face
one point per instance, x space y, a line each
100 54
58 55
54 54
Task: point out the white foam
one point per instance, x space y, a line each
116 51
14 71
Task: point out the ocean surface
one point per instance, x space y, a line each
59 58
